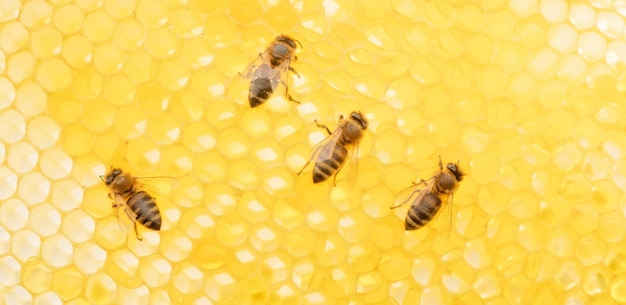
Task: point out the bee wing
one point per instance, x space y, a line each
324 150
158 185
125 217
443 220
348 171
249 71
413 193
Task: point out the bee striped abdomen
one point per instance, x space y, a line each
423 212
260 91
144 206
325 168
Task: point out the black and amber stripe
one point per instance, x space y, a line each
144 206
422 212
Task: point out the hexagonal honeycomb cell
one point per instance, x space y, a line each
527 96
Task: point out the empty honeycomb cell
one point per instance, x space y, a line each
118 90
197 223
220 199
22 157
47 298
120 9
559 243
331 251
13 37
46 43
161 43
210 167
43 132
128 35
610 24
530 236
424 270
123 265
11 271
45 220
196 52
89 258
187 107
501 25
36 14
98 26
55 163
151 15
76 140
172 75
590 250
186 23
286 215
245 260
595 281
177 160
278 182
11 9
231 234
243 175
8 182
591 46
573 69
267 152
563 38
618 287
188 279
14 214
316 297
176 247
322 218
25 244
142 153
20 66
139 295
344 282
107 59
220 286
86 85
300 242
567 274
155 272
100 288
276 266
68 18
78 226
34 188
254 208
264 238
353 226
427 69
56 251
36 276
137 66
234 143
363 256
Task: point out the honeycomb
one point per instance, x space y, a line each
527 95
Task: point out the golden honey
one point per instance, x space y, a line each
526 95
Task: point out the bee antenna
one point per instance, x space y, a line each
298 41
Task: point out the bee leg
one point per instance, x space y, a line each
322 126
287 95
137 232
305 165
294 71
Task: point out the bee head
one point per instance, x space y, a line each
111 176
454 168
359 118
288 40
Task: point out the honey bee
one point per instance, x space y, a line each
331 154
431 196
128 194
270 69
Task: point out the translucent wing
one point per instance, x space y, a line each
324 149
158 185
443 220
348 171
413 193
125 217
